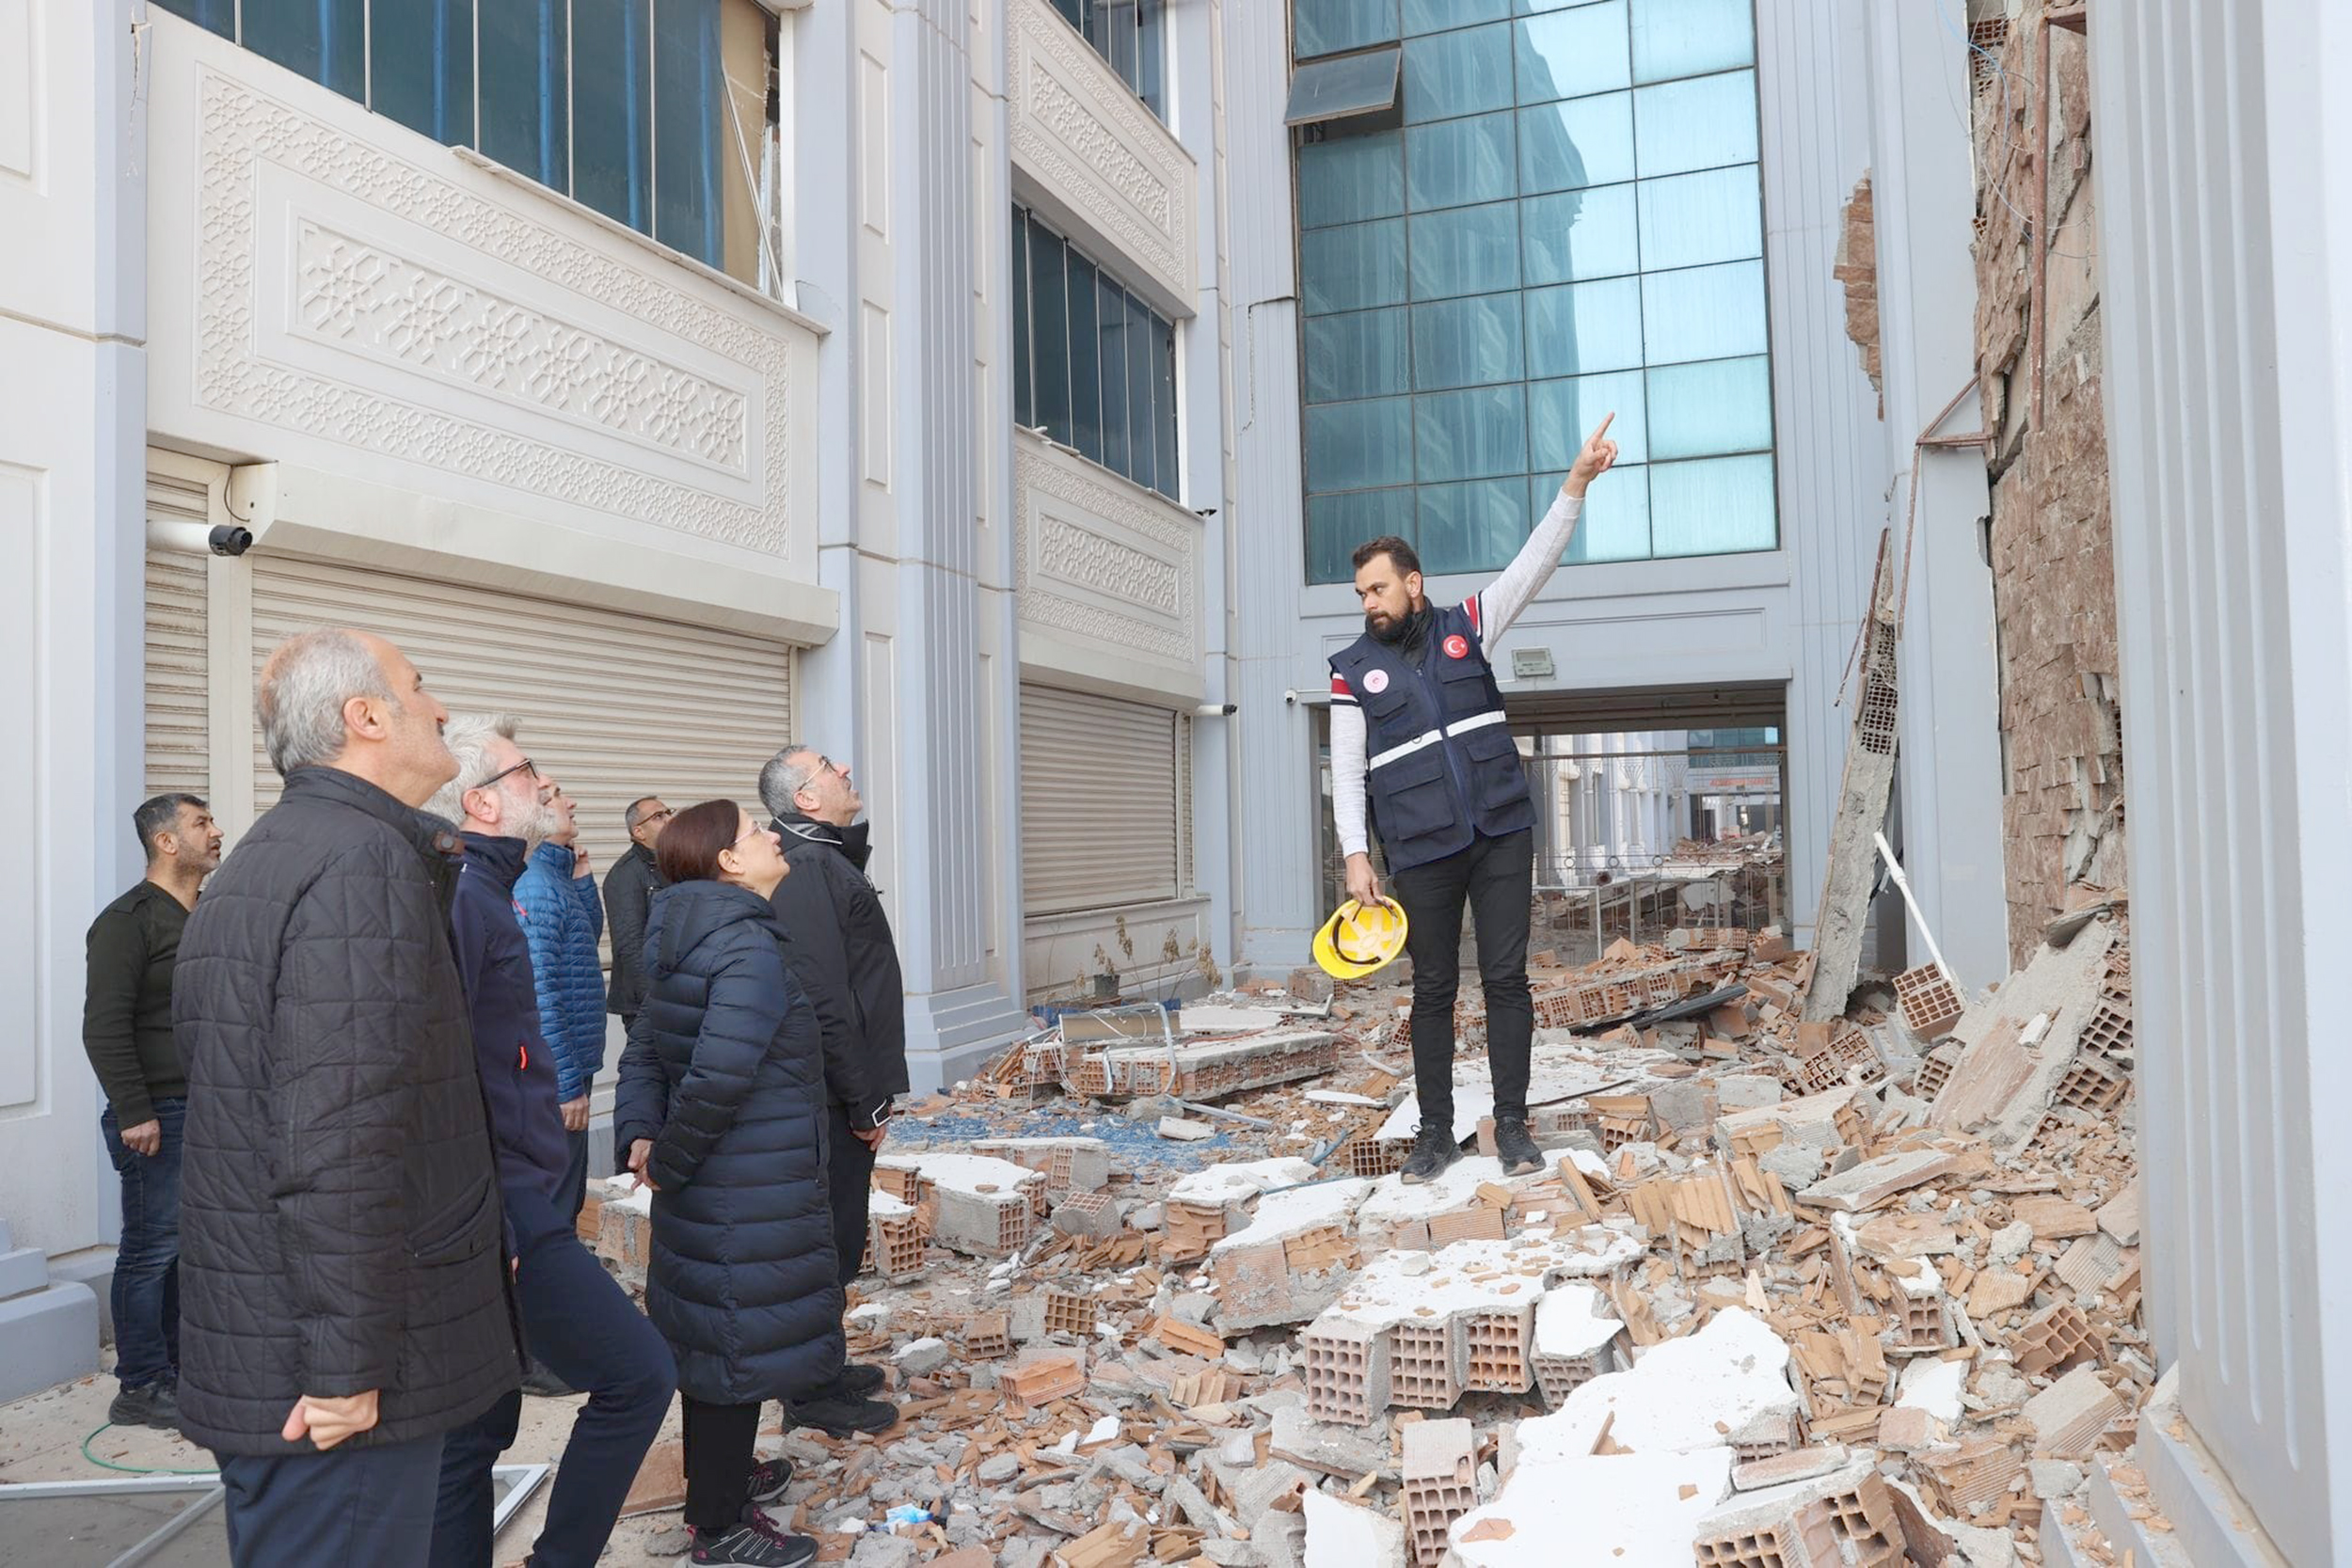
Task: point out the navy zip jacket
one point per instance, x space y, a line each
517 1068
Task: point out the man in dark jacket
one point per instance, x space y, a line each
126 1029
844 956
577 1319
556 898
343 1293
629 890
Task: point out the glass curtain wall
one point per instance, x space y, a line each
1132 36
1093 366
656 113
1562 218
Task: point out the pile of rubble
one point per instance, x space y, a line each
1784 1295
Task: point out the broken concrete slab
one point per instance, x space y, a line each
1344 1534
2068 1416
1873 1182
1343 1453
1614 1511
1707 1388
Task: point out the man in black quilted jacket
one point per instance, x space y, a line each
343 1291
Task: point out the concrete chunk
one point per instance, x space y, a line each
1873 1182
1342 1534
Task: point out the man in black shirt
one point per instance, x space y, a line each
126 1029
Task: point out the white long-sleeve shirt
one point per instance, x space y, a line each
1492 609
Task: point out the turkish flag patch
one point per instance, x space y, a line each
1458 646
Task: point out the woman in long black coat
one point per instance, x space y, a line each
722 1110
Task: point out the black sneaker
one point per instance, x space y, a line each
843 1417
769 1477
754 1541
856 1381
1514 1148
1434 1149
150 1405
546 1383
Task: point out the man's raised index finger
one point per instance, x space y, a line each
1603 428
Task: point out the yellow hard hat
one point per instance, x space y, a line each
1358 939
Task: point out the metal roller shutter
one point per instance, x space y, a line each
1100 819
616 705
179 752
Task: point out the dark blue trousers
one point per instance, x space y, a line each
145 1296
581 1325
351 1507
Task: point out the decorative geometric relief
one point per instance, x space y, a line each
390 309
370 301
1095 557
1077 128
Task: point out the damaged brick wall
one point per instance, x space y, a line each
2051 543
1857 268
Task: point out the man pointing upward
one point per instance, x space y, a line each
1421 754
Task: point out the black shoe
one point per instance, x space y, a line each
1434 1149
546 1383
150 1405
769 1477
856 1381
754 1541
1514 1148
843 1417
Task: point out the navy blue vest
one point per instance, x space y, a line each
1443 769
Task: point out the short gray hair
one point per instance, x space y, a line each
784 778
469 736
304 686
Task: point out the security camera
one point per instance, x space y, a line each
197 538
1214 710
228 539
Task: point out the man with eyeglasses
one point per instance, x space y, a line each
577 1322
629 890
843 954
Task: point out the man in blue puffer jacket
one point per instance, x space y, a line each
562 919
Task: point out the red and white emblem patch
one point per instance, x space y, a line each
1375 681
1458 646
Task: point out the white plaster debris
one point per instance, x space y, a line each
1103 1431
1343 1534
1469 1275
977 1174
1569 1322
1934 1385
1682 1395
1393 1202
1282 1215
1244 1179
1555 1074
626 1192
1340 1097
882 1206
1597 1511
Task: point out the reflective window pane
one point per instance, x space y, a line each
1352 268
1586 142
1472 528
323 40
1086 372
1712 507
1469 250
1691 220
1466 342
1337 524
1143 412
1470 434
1686 38
1166 478
1720 407
1559 414
613 93
1363 353
1702 123
688 145
1049 330
1569 53
1024 402
1613 524
1356 446
1110 334
1584 327
1338 90
1327 26
422 76
1575 236
219 16
1351 178
1457 74
1704 312
1438 16
1458 163
526 123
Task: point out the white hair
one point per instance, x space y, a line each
785 775
304 686
469 736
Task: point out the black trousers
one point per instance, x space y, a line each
719 1443
848 1175
1496 877
349 1506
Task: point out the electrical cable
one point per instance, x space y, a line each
132 1469
2009 147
